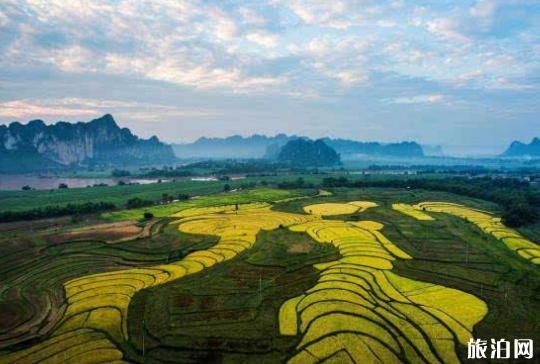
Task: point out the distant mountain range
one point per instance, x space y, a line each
235 146
433 150
260 146
37 147
352 148
519 149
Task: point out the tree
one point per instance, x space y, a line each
226 188
137 202
56 211
148 215
165 198
26 188
519 215
62 186
183 196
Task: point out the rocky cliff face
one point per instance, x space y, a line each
98 142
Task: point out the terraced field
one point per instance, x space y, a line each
266 276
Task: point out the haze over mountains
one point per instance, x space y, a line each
37 147
236 146
519 149
261 146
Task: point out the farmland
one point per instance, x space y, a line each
24 200
269 276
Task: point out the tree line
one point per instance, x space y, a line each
56 211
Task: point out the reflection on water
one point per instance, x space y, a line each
17 181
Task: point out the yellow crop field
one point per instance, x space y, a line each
490 225
411 211
361 307
331 209
99 302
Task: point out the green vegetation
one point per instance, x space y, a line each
229 312
519 201
118 195
55 211
243 196
233 305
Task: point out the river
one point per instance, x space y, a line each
17 181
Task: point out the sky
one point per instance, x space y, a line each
464 74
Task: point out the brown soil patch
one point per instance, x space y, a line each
110 232
300 247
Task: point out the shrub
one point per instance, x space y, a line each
519 215
137 202
148 215
183 196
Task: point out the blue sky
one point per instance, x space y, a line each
457 73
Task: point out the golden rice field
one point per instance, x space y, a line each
360 308
99 302
411 211
484 220
362 311
332 209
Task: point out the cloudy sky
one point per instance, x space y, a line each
457 73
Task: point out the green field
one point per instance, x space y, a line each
241 197
230 311
119 195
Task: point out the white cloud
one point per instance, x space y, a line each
350 77
419 99
264 39
503 83
483 11
25 109
386 23
342 59
207 45
251 17
316 11
224 27
448 29
4 20
72 107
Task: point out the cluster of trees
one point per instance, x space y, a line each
137 202
56 211
84 208
299 159
166 171
232 166
298 183
520 202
